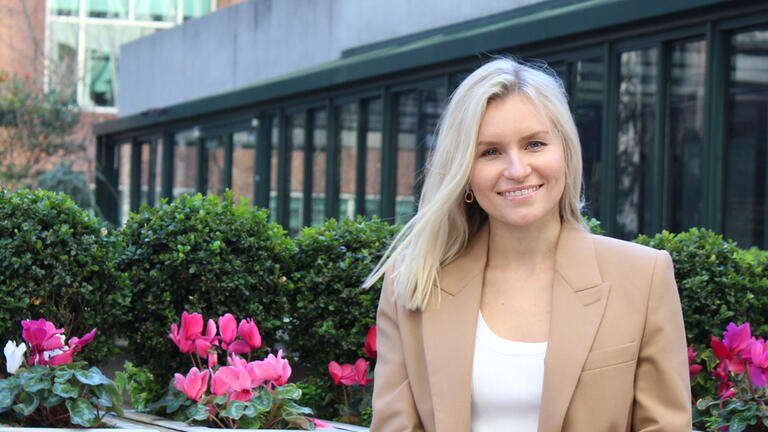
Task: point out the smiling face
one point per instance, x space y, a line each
518 174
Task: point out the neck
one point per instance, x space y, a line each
529 247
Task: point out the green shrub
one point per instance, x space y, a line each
718 282
330 311
58 263
200 254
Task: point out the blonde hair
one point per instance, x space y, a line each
444 223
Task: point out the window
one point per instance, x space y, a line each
155 10
373 138
319 164
405 178
244 164
346 142
185 163
107 8
214 150
747 138
295 148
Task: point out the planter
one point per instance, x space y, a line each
112 422
163 425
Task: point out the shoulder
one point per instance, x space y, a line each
618 254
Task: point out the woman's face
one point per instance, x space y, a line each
518 174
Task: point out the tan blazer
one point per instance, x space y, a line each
616 359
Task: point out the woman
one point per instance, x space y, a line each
499 310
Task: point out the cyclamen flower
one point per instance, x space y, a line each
370 342
191 328
14 356
276 370
361 372
193 385
342 374
249 332
693 369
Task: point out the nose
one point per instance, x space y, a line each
517 167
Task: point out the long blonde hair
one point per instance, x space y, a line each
444 223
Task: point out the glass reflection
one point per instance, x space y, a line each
151 167
636 133
586 97
747 136
123 154
244 164
319 164
685 133
273 161
214 149
295 147
407 117
346 140
185 163
373 138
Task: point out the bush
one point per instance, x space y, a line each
200 254
330 311
58 263
717 281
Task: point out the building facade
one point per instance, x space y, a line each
670 97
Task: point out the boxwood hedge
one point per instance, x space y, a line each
58 262
200 254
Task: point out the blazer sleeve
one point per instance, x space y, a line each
393 407
662 384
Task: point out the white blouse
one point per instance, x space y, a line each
507 378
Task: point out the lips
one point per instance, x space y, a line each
518 192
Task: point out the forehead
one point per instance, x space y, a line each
515 114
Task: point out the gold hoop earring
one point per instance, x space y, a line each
469 196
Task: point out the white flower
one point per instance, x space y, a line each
14 356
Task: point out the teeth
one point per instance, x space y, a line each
520 192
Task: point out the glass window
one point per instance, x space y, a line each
64 7
295 147
123 154
346 141
405 178
747 138
373 137
586 97
107 8
273 164
685 133
151 168
185 163
196 8
216 152
155 10
432 105
319 164
244 164
101 48
62 39
636 133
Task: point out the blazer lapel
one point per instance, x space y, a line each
578 301
448 329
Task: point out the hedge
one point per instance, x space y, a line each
58 262
200 254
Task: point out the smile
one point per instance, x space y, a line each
520 192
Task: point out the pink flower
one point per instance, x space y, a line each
249 333
361 372
193 385
722 375
234 381
344 374
227 329
204 342
759 362
213 360
693 369
728 358
276 370
191 328
77 344
370 342
42 336
238 347
253 371
62 358
737 338
319 424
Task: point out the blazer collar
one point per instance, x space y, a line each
449 324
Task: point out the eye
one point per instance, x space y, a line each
535 145
493 151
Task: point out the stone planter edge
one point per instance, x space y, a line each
163 424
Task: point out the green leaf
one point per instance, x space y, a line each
288 391
250 423
220 400
252 410
101 396
66 389
82 413
197 412
28 403
35 378
297 421
51 399
92 376
234 409
8 390
63 374
263 400
298 409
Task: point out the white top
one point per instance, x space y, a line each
507 378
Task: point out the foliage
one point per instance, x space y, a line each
741 367
353 379
35 127
203 254
330 312
718 282
594 225
242 394
58 261
54 390
62 178
140 385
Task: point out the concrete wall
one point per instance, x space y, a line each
259 39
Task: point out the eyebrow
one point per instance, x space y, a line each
543 133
